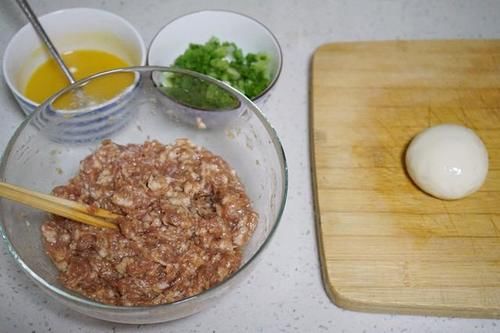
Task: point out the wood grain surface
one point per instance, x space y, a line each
386 246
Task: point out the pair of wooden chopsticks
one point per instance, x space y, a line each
72 210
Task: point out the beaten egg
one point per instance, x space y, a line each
48 78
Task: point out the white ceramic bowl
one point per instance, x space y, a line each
69 29
248 34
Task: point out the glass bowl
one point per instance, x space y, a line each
41 155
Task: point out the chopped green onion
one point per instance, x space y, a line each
248 73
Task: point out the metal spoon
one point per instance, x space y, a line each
30 15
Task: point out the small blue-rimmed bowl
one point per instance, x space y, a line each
69 30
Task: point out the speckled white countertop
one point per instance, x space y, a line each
285 292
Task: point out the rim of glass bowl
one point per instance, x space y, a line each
273 37
93 108
142 69
157 82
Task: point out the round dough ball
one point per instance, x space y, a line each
447 161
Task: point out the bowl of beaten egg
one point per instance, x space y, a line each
90 41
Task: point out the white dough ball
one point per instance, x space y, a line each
447 161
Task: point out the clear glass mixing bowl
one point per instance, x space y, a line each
46 150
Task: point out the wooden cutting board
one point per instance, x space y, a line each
385 246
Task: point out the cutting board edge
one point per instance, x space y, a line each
314 186
352 304
401 43
347 303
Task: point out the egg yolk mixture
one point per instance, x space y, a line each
49 79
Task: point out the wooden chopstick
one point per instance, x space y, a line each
81 207
73 210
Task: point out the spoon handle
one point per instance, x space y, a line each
26 8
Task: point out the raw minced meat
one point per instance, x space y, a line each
185 218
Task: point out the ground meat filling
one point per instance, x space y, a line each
185 219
